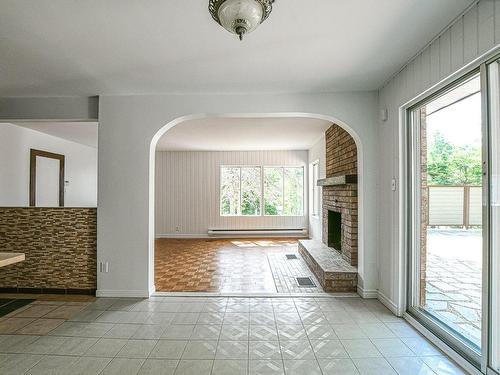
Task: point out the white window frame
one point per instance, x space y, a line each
283 187
220 190
316 198
262 167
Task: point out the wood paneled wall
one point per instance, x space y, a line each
470 36
187 191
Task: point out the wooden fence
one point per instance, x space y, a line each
455 206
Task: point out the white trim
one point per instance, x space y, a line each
174 122
261 232
181 235
234 235
389 304
251 295
122 293
401 260
457 358
368 293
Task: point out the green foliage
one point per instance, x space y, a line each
283 191
250 203
448 164
294 191
273 191
270 209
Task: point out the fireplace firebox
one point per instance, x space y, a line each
335 230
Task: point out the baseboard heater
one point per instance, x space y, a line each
258 232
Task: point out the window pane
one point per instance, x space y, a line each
294 191
315 189
250 191
230 191
447 242
273 191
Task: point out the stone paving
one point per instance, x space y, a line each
285 273
454 280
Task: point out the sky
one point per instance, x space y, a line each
460 123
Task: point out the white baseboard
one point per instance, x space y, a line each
388 303
122 293
194 236
367 293
181 235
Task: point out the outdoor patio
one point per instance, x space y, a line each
454 272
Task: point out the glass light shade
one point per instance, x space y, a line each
240 16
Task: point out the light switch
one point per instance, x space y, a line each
393 184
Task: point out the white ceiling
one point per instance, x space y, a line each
63 47
243 134
84 133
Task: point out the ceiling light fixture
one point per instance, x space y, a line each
240 17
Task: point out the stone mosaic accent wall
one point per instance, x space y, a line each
342 159
60 246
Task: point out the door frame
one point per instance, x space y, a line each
478 65
45 154
413 226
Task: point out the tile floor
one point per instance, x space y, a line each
229 266
217 335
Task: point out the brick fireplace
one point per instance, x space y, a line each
334 260
340 194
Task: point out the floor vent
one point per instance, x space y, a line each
291 256
305 281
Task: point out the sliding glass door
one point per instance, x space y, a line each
445 181
453 215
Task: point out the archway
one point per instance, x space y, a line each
180 120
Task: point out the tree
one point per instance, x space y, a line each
466 165
448 164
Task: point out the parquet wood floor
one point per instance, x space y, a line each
221 265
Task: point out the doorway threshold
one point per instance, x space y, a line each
252 295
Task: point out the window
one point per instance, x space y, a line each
315 188
283 191
240 192
293 191
445 215
250 191
255 191
273 191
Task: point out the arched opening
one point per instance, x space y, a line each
179 122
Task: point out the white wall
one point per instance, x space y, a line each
469 37
127 125
317 153
80 166
187 191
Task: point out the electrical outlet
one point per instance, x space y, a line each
177 229
104 267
